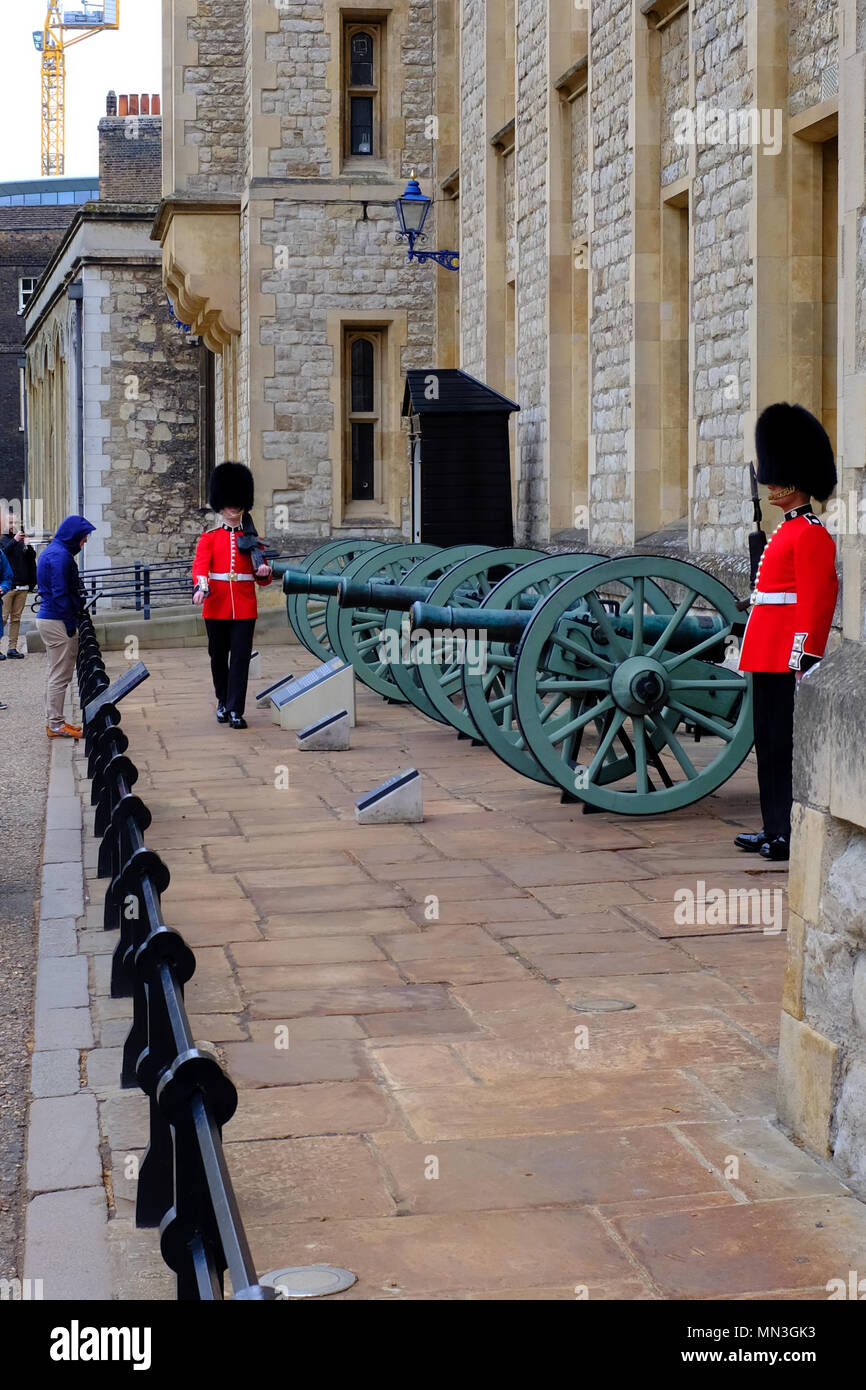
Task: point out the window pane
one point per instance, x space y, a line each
362 375
361 66
362 462
362 125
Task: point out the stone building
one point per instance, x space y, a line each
661 218
289 130
33 216
113 380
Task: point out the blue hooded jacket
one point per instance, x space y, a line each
57 576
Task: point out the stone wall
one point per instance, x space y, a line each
148 405
722 290
531 135
216 82
473 190
336 261
612 320
579 168
674 39
813 27
302 49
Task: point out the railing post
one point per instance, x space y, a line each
138 586
147 593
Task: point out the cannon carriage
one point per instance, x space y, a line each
612 679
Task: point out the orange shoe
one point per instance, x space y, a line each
65 731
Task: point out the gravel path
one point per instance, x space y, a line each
24 762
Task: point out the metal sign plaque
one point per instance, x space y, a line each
294 689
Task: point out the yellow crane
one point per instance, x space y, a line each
63 27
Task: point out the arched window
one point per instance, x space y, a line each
362 90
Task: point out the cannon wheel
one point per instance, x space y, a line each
306 612
489 694
405 673
466 585
640 690
355 633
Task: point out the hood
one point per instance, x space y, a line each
71 530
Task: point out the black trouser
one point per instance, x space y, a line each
230 646
773 697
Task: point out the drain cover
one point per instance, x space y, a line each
601 1006
308 1281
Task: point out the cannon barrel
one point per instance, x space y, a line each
299 582
379 594
508 625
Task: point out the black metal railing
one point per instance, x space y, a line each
147 581
184 1187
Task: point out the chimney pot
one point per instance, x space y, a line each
155 105
111 104
123 108
145 104
133 104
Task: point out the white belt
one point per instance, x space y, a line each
758 597
232 577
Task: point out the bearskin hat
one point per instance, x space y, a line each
231 485
794 449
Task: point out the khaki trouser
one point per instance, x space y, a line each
61 651
13 607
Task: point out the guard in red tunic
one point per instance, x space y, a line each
225 583
792 605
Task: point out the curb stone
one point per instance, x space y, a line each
67 1217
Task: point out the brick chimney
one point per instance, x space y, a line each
130 149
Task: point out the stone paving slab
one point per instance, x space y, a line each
428 1094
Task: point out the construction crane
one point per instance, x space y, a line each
63 28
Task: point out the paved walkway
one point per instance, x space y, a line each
453 1117
24 764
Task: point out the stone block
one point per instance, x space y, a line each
849 1149
63 1143
398 801
55 1073
328 735
792 989
809 833
65 1244
61 983
805 1085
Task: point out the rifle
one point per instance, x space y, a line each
757 538
250 543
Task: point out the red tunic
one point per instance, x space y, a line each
799 560
217 553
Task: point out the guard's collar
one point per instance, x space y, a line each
226 527
798 511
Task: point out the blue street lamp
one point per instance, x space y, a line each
412 210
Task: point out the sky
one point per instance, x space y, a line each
127 60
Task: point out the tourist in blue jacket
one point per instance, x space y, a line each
58 582
7 580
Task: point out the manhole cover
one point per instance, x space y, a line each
601 1006
308 1281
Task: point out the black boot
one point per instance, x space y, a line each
779 848
222 714
752 844
237 721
